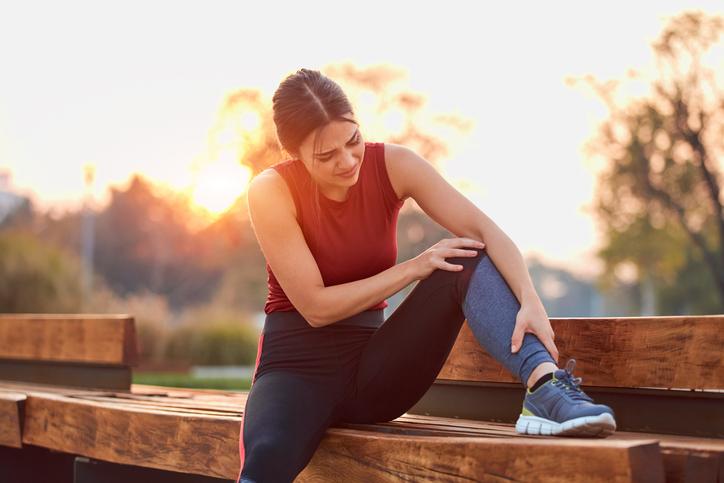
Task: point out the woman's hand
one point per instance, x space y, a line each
532 318
434 257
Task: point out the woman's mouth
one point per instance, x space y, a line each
350 173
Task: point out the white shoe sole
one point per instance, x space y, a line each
593 426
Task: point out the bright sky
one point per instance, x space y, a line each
136 86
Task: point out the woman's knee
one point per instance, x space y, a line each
468 264
460 280
267 447
269 457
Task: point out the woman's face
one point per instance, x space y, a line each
337 161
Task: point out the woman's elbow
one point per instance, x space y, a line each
314 314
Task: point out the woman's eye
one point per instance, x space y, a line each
352 143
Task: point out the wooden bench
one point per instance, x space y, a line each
195 432
650 370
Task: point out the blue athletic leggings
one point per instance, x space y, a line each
366 369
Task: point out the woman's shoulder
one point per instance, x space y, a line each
272 188
395 159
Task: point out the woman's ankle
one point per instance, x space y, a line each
542 369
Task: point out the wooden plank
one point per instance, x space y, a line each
360 456
98 339
175 441
100 425
208 445
685 458
714 446
691 467
663 352
231 403
11 411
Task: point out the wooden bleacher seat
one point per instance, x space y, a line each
196 431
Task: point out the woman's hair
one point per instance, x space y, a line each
303 102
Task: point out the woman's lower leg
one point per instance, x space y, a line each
491 308
542 369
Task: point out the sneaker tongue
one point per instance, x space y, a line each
559 374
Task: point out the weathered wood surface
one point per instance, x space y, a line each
690 466
360 456
663 352
11 407
99 339
196 431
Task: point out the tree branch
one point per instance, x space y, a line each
670 203
693 137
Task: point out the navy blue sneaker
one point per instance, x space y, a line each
560 408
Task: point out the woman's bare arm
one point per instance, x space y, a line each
280 237
411 175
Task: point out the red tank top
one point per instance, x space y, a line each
355 238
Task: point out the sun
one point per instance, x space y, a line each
219 183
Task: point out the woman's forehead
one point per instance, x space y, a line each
334 135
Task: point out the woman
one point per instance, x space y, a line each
326 223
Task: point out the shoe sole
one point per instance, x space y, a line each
588 426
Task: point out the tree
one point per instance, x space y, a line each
143 243
659 200
36 277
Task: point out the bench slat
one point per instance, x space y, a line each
663 352
98 339
11 408
361 456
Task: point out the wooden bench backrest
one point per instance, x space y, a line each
90 339
661 352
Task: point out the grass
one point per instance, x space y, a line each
188 381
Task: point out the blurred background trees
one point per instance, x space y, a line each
196 286
37 277
659 200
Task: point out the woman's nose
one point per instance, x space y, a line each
348 162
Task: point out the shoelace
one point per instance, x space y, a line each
571 384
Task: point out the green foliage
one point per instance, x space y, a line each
224 344
214 336
36 277
692 292
188 381
657 250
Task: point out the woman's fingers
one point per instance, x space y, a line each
449 266
466 242
459 252
474 243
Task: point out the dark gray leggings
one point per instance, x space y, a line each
366 369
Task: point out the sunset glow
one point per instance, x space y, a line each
219 183
508 71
